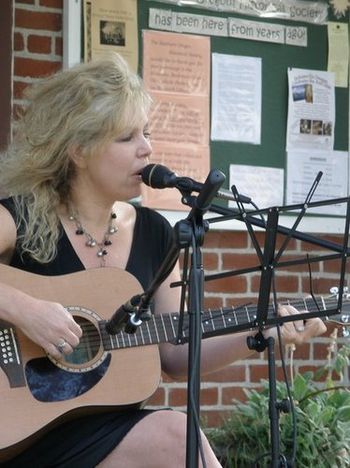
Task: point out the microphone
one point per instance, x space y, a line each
158 176
121 316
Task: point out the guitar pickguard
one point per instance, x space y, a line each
49 383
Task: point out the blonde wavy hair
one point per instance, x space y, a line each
83 107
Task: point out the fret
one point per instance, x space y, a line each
134 338
223 316
175 317
305 304
149 332
207 325
111 342
122 337
331 303
139 336
253 315
141 333
155 328
250 313
323 303
240 316
234 315
164 328
247 312
219 320
172 325
116 340
211 319
169 327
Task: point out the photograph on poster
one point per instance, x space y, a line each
112 32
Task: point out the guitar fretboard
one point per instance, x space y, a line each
165 328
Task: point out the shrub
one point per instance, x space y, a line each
322 418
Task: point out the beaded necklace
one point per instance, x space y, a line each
91 241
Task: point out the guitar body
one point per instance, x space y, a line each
37 392
104 371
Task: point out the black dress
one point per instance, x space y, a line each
87 440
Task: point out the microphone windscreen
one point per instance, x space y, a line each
158 176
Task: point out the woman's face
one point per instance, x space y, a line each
114 171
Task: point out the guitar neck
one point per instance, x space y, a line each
165 328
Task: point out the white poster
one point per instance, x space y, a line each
236 98
311 110
177 75
338 52
296 10
264 185
302 169
167 20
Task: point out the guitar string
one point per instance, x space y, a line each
95 337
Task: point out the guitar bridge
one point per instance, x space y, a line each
10 359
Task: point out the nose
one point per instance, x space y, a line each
145 149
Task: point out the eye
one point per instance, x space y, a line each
125 138
147 134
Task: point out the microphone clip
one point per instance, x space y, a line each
129 317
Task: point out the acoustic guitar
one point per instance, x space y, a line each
38 391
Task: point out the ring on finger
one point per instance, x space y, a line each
61 345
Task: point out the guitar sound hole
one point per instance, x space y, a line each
74 374
89 344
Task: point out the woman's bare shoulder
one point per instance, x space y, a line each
8 234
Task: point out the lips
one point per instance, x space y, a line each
139 172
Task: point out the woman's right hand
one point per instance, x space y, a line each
50 325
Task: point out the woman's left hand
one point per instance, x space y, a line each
298 331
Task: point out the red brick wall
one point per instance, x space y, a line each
226 250
38 52
37 42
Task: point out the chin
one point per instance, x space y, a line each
133 194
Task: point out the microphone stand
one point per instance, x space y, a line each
187 233
195 236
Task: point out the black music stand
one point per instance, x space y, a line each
269 262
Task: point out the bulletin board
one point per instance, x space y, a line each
276 58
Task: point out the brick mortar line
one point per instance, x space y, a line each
54 58
37 8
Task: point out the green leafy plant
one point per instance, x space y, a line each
322 417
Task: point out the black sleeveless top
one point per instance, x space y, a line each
87 440
152 239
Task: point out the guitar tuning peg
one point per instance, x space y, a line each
334 290
346 332
345 318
